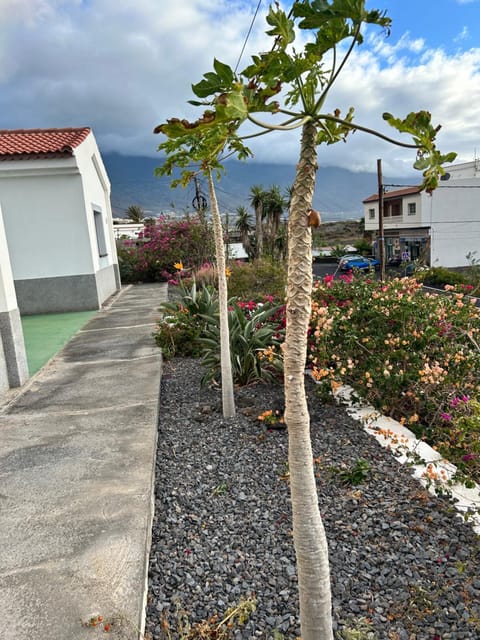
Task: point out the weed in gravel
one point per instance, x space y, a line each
354 475
211 629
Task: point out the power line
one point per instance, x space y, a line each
248 34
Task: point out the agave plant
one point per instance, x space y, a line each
255 339
183 321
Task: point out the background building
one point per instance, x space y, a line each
441 229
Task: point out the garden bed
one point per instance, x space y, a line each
403 564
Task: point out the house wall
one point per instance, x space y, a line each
404 221
453 213
96 188
52 238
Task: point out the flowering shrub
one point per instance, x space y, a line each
152 257
458 434
407 352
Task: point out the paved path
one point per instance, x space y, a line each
77 449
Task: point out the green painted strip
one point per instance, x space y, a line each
46 334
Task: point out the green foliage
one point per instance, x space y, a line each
338 251
360 629
363 246
179 331
409 353
252 280
429 159
231 99
354 475
440 276
255 339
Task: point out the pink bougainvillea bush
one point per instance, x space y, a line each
160 246
415 356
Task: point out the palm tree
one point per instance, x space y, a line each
135 213
274 205
244 226
257 199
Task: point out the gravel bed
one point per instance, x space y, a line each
403 564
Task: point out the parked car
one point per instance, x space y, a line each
348 256
360 263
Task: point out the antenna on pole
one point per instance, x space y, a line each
199 202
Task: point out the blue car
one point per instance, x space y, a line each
362 264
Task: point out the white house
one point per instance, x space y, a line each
55 200
443 228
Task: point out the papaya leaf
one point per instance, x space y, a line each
214 82
232 106
283 27
318 12
224 72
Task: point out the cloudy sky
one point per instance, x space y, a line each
124 66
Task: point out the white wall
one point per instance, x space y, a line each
454 216
44 219
96 193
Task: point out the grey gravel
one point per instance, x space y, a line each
404 566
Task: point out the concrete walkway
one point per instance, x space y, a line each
77 454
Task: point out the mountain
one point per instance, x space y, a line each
338 195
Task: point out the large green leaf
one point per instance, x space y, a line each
216 81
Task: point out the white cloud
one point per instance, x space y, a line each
124 67
463 35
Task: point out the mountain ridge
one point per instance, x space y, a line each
338 194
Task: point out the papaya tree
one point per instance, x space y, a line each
301 78
194 149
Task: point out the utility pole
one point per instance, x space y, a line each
381 239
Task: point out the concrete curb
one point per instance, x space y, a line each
427 465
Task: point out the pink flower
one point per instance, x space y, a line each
347 277
328 280
446 416
468 457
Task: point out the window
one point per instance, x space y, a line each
396 209
412 208
100 231
392 208
371 214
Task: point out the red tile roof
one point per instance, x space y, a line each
399 193
22 144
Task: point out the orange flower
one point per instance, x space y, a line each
178 265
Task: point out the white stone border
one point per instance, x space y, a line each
433 471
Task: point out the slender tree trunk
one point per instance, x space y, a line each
228 401
308 533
